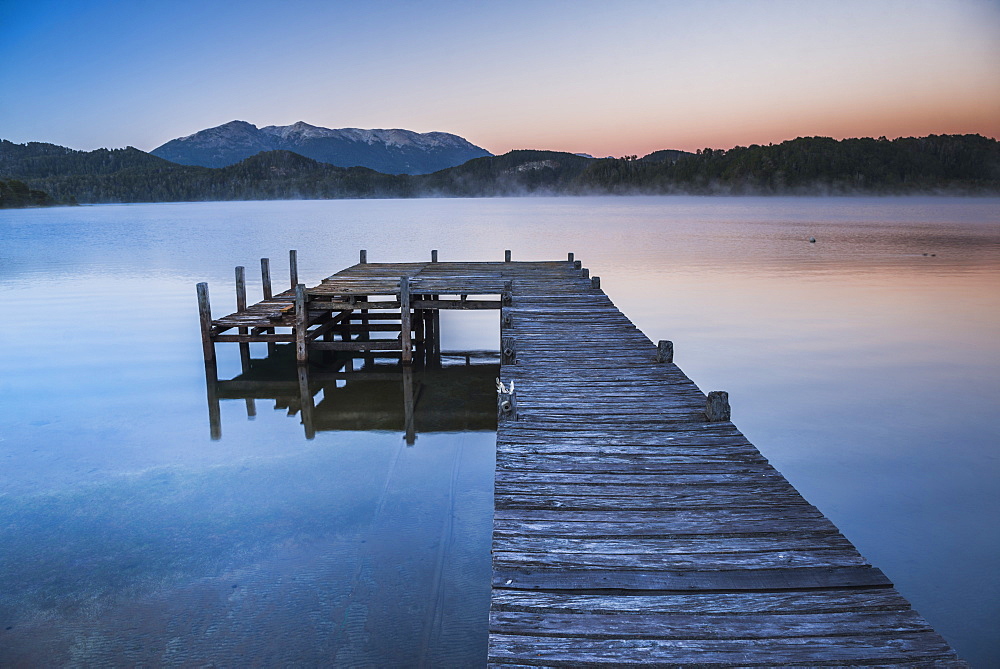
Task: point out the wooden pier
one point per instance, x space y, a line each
634 524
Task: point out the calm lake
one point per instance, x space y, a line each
865 366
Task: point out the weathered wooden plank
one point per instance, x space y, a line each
705 626
762 580
812 651
700 601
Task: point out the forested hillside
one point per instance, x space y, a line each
958 164
16 194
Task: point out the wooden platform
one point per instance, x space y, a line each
629 528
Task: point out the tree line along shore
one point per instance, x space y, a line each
38 174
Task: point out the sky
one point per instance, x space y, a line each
604 78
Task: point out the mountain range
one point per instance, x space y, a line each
945 164
387 151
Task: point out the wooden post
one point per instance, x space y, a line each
241 305
717 406
434 255
436 322
577 264
265 277
419 333
664 351
585 273
404 318
301 325
265 282
364 257
506 255
205 316
506 320
508 351
595 282
507 296
293 268
506 403
569 257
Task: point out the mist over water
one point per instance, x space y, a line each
865 366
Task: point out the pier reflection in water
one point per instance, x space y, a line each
446 392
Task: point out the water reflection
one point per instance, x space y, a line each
448 392
360 551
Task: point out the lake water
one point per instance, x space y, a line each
865 366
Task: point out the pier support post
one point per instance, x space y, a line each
595 282
265 282
306 404
717 406
404 318
664 351
409 426
241 305
364 257
506 402
569 257
434 255
301 325
212 394
585 273
507 296
577 264
506 320
508 351
506 255
265 277
293 268
205 316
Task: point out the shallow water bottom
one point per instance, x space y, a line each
275 562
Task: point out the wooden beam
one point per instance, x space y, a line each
293 268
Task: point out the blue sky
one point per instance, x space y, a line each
604 78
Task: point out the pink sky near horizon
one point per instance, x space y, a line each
583 76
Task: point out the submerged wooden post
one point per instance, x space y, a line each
506 255
409 426
404 318
293 268
306 404
205 316
595 282
434 255
301 325
364 257
717 406
212 393
664 351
